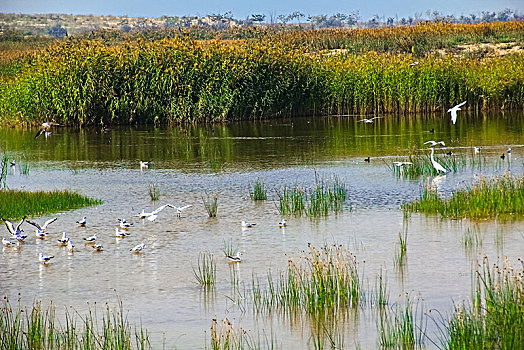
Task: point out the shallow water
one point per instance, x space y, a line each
158 287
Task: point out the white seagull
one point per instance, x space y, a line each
11 227
124 225
368 120
82 222
40 234
414 64
120 234
402 163
436 165
64 240
179 210
20 238
138 248
434 143
42 228
454 110
70 246
98 247
476 150
6 242
235 258
247 225
44 259
144 165
152 215
91 239
282 223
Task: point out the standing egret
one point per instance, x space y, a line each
454 110
436 165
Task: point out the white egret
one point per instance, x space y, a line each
453 110
436 165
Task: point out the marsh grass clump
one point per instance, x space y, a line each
3 173
421 165
327 196
486 198
328 278
403 326
229 248
16 204
211 204
472 238
154 192
206 270
38 328
495 317
259 191
224 336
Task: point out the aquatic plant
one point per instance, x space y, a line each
380 295
486 198
224 336
206 270
229 248
16 204
259 191
421 165
154 192
37 328
327 279
327 196
211 204
495 317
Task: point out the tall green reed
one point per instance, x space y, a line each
211 204
259 191
206 271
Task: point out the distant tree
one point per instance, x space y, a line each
57 31
283 18
126 28
504 15
390 21
258 17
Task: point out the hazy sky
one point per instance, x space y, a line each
243 8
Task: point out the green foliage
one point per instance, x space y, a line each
206 270
16 204
495 318
259 192
487 198
154 192
211 204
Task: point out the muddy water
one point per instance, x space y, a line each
158 287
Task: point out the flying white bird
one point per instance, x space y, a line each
44 259
40 234
82 222
247 225
11 227
91 239
454 110
436 165
138 248
64 240
235 258
402 163
144 214
46 127
20 237
42 228
368 120
434 143
179 210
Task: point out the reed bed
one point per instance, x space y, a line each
495 317
259 191
17 204
224 336
502 195
180 80
328 279
38 328
154 192
422 165
206 270
327 196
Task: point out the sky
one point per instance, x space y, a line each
241 9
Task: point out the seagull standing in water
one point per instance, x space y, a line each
82 222
98 247
64 240
70 246
235 258
91 239
120 234
40 234
42 228
44 259
138 248
6 242
144 165
283 223
46 128
453 110
247 225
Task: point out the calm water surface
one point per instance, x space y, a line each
158 287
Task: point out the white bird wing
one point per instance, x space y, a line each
184 207
35 225
430 142
10 226
20 224
453 115
156 211
460 104
48 222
